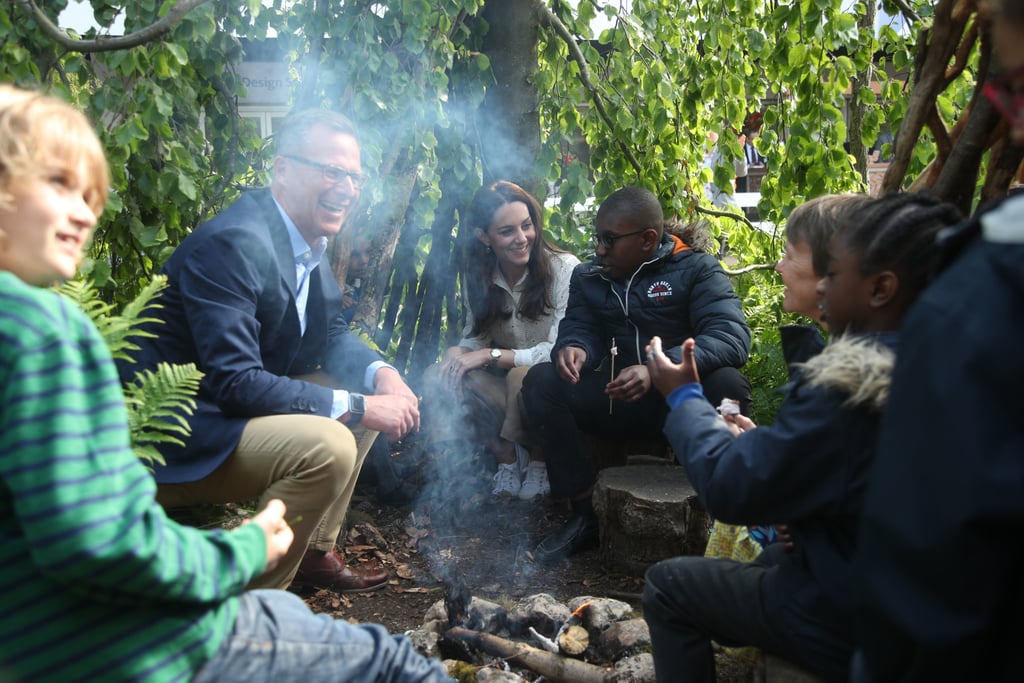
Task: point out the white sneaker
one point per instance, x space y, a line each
506 480
536 482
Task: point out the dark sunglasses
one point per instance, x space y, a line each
608 239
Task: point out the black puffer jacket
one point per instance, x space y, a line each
679 293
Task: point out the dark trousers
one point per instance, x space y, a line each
556 411
771 603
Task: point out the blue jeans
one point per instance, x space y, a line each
276 639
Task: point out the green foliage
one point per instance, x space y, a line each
670 73
116 329
761 291
411 74
157 401
151 102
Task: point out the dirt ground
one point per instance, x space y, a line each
458 531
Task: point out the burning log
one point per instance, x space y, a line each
457 599
553 667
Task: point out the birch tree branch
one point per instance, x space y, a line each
108 44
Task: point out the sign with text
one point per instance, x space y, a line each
265 83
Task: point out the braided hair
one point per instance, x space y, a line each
899 232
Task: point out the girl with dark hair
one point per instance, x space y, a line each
517 285
939 591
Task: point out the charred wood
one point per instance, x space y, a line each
553 667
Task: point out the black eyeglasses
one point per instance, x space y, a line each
331 174
1007 98
608 239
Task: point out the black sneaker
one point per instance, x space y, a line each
578 534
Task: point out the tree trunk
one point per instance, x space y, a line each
942 39
382 249
440 277
508 123
860 80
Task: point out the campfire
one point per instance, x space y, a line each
587 640
584 640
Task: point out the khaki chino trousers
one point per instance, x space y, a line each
310 462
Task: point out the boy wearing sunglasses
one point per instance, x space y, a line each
642 282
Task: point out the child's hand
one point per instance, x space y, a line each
665 374
631 384
279 534
569 362
739 423
785 537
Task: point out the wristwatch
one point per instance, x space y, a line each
356 407
495 356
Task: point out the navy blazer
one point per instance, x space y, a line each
230 308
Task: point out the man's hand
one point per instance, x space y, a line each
393 409
569 362
388 381
393 415
279 535
630 385
665 374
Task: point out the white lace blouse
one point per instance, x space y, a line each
531 340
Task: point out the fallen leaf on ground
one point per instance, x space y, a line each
359 548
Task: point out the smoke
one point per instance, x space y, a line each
455 512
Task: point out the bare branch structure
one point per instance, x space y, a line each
108 44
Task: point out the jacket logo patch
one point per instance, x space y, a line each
659 290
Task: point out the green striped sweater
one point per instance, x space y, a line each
96 583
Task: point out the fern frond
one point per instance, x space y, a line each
159 402
85 295
148 455
116 329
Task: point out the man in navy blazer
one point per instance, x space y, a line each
252 301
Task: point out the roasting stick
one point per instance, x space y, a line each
615 352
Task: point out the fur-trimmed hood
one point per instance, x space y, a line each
696 234
859 366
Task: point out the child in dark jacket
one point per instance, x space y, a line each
641 282
808 470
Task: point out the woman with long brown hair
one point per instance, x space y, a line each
517 286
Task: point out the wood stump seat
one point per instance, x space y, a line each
647 513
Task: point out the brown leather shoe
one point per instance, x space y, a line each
321 569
